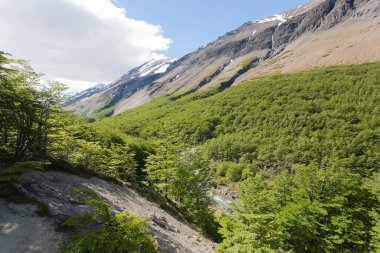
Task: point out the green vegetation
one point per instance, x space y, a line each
273 122
182 176
12 173
307 210
303 151
82 194
37 133
26 108
101 231
248 62
103 113
301 148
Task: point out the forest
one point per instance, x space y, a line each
302 152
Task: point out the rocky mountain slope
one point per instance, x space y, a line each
320 33
103 96
22 230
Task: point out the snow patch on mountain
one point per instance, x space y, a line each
83 95
157 65
154 66
162 69
276 17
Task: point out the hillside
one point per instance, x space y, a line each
298 155
320 33
275 114
299 148
265 140
302 149
25 231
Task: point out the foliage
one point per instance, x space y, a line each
12 173
181 175
161 167
281 135
234 172
25 108
82 194
104 232
308 209
274 121
304 149
81 145
373 185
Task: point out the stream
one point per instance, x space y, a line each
221 200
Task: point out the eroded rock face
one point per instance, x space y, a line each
262 39
53 189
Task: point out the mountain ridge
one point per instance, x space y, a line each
110 93
254 49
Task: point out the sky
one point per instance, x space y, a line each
86 42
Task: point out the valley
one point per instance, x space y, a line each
266 139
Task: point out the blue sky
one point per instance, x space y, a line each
192 23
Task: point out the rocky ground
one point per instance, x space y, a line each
22 230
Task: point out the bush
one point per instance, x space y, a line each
234 172
107 233
13 172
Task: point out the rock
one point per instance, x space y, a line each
51 188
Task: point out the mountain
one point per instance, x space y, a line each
281 163
320 33
103 96
85 94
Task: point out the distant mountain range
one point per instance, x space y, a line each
320 33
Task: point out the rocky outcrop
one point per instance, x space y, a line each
54 189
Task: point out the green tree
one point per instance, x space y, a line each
51 96
121 163
307 210
161 167
25 108
183 176
190 188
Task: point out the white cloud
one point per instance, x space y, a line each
81 41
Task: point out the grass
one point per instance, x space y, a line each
104 113
82 194
248 62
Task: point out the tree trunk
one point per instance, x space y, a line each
20 148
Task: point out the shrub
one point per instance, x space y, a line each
107 233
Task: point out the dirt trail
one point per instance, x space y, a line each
52 189
22 230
